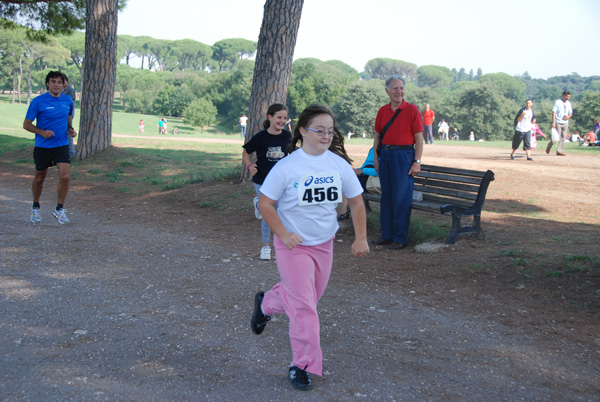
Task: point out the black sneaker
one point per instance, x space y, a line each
259 320
344 216
300 379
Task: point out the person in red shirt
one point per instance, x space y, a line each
428 118
589 138
398 163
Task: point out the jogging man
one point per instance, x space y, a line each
52 112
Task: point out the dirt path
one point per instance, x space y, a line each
181 139
149 298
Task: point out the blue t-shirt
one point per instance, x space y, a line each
52 113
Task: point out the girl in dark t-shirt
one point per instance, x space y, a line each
270 145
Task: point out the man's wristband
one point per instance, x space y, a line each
248 167
70 128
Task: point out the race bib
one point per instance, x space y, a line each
320 188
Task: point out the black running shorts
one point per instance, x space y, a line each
47 157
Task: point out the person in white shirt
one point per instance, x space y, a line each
308 184
523 130
242 124
562 111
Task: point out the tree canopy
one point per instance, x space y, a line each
382 68
170 74
42 18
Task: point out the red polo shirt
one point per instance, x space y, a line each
404 128
428 117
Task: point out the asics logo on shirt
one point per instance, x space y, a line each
318 180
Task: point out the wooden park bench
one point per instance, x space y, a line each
446 190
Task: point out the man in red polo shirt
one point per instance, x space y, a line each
428 118
399 161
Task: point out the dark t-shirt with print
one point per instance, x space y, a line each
269 150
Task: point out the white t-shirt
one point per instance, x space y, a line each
308 189
524 125
562 109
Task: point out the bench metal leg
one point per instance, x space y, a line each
457 229
477 226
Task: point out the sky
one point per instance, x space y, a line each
545 38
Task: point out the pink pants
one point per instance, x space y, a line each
304 273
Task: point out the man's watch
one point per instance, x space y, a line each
417 161
70 128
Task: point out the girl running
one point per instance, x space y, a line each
270 145
308 184
535 130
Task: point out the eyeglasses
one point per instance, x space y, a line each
321 133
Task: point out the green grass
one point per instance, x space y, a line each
142 170
421 230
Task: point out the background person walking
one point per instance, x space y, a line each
443 129
535 130
243 123
562 111
523 130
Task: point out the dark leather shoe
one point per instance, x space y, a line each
396 246
381 242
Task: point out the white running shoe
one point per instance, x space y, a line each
35 216
61 216
256 210
265 253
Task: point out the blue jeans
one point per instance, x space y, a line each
428 134
265 230
243 132
396 193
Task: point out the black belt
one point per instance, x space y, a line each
397 147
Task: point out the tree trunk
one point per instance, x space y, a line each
274 58
29 85
14 88
80 68
20 78
100 69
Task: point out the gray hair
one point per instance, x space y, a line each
392 78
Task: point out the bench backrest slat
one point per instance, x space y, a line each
446 200
453 171
446 184
447 192
451 178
